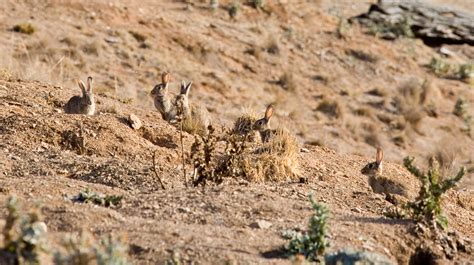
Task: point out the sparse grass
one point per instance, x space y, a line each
363 56
234 9
83 249
244 124
24 234
287 82
342 28
442 69
411 99
331 107
257 3
88 196
427 206
386 30
439 67
461 109
313 243
364 111
138 36
25 28
272 46
214 4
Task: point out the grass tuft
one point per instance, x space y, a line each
88 196
313 243
25 28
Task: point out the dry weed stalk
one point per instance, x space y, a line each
156 173
180 118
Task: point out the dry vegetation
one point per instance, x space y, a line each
335 87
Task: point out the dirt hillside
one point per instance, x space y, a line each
341 96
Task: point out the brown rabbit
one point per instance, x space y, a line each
193 114
162 100
263 125
82 105
379 183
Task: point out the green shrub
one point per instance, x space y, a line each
311 244
24 234
234 9
84 249
257 3
25 28
89 196
427 206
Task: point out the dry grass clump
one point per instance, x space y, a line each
287 82
411 99
331 107
244 124
25 28
276 160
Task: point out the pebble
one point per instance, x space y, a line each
135 122
261 224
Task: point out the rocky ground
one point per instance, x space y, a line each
340 96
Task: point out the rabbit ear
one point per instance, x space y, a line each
81 86
89 84
269 112
165 78
188 87
379 156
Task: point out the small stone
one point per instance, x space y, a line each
304 150
135 122
261 224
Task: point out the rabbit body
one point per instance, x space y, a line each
263 126
378 182
192 113
82 105
162 100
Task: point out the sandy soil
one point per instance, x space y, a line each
236 65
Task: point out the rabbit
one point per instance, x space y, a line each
380 183
263 125
197 117
82 105
162 100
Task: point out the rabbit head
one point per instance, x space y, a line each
184 94
161 90
87 95
374 168
263 123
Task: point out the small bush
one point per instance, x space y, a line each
427 206
25 28
331 108
214 4
394 30
460 108
24 234
313 243
89 196
138 36
439 67
84 249
257 3
234 9
287 82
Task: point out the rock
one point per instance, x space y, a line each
304 150
350 256
428 22
134 121
261 224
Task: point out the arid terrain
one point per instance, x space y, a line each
340 91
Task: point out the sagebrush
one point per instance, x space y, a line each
313 243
